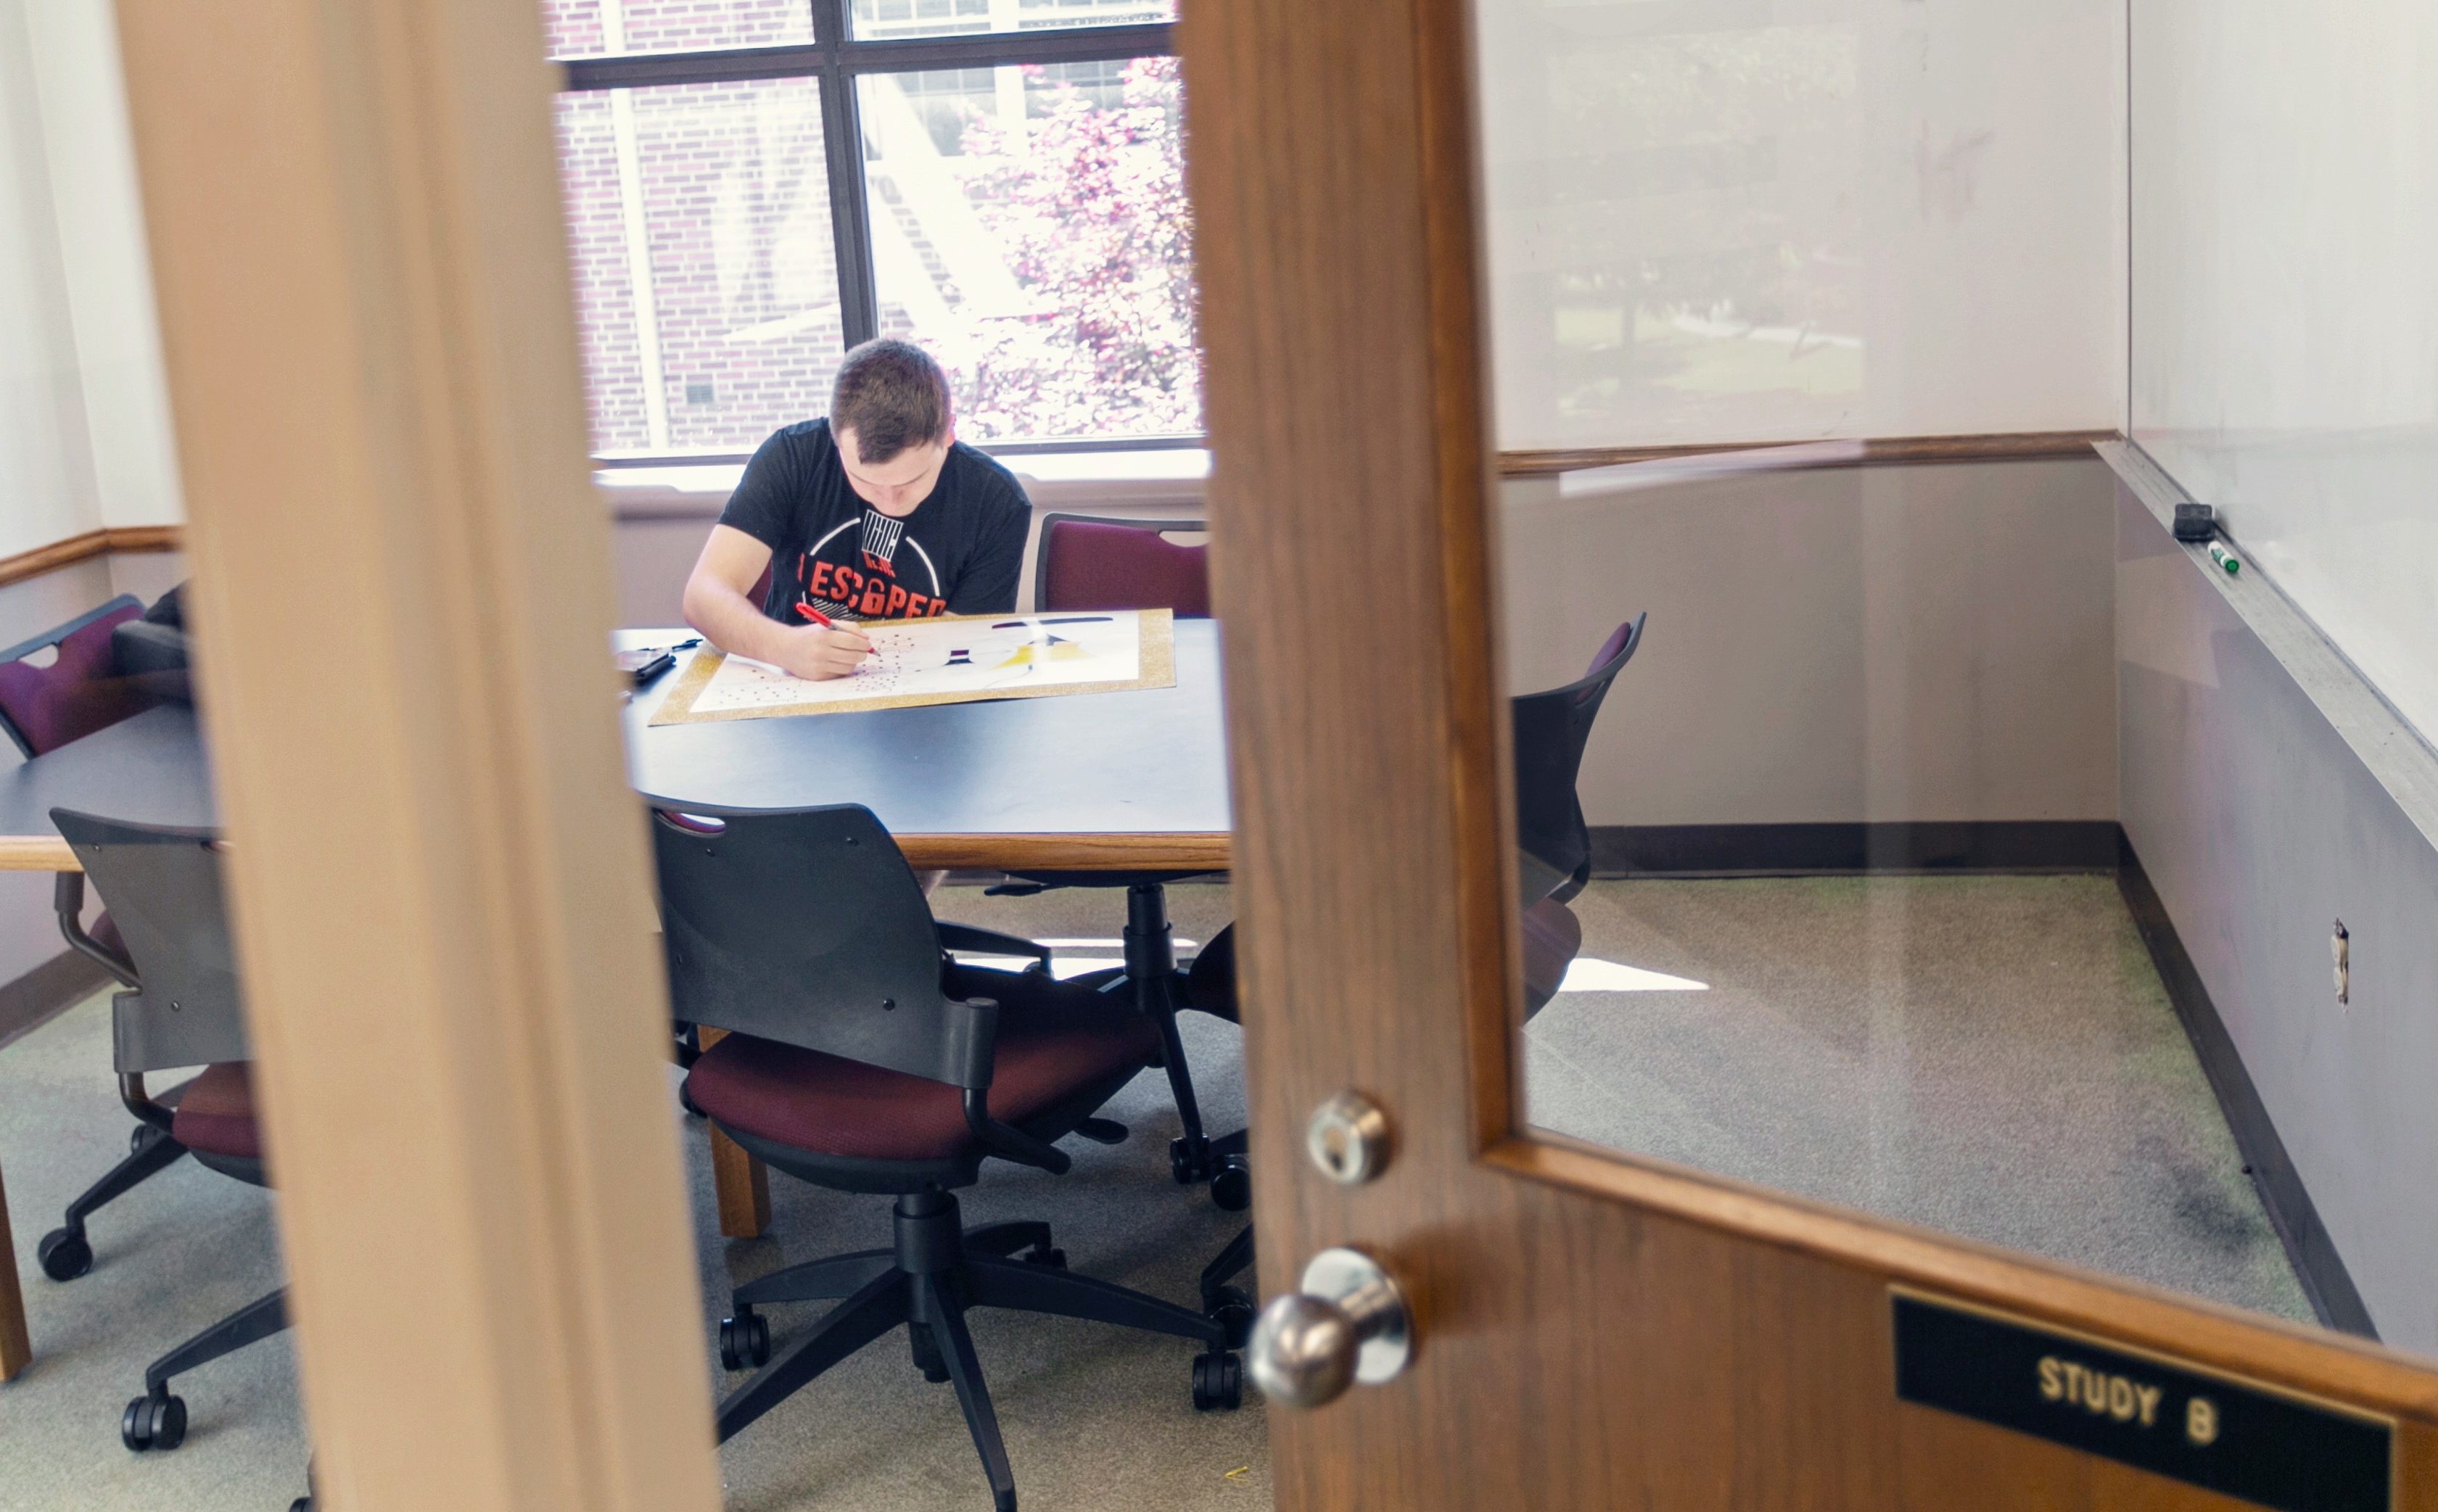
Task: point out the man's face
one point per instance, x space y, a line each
898 486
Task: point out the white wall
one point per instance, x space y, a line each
2285 303
107 275
1729 221
48 490
84 426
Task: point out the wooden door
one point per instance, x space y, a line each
1592 1330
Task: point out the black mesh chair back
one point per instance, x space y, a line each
162 885
1551 729
807 927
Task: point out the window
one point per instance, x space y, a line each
755 187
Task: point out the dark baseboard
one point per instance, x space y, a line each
1812 850
46 992
2309 1247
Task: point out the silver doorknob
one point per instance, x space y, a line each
1348 1324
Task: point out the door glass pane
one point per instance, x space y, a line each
706 268
1030 226
1955 846
591 28
881 19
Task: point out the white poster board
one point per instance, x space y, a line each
959 659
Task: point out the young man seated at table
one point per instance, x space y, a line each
876 513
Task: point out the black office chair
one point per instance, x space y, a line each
860 1058
1551 729
163 887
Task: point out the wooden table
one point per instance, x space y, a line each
1096 782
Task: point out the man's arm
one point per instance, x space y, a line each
988 583
717 604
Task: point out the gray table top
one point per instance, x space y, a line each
149 769
1150 762
1143 771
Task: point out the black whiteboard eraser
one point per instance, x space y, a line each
2194 523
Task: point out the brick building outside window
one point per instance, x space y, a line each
1019 209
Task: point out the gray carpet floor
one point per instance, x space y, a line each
1992 1056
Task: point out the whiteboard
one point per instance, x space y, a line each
1722 221
2285 303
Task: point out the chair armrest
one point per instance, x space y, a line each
67 901
988 941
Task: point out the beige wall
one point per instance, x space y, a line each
1926 643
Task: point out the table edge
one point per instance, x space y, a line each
1090 852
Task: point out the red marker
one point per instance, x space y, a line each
817 616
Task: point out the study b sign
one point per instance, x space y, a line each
2197 1427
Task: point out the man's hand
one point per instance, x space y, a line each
822 652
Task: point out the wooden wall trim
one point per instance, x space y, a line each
2019 446
2016 445
76 548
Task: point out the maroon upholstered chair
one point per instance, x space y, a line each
859 1058
43 708
1087 562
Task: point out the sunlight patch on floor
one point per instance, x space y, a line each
1589 974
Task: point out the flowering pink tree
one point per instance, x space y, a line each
1091 213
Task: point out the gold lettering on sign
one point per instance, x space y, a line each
2107 1396
2201 1421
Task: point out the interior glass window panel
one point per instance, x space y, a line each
593 29
705 265
1033 231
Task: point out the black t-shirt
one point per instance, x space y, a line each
959 553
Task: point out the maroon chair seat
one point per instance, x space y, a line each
215 1115
1055 1041
1085 563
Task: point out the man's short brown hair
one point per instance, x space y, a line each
892 396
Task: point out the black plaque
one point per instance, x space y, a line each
2202 1428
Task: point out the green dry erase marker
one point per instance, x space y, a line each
2225 558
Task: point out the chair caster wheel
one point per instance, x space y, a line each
745 1339
685 1100
1218 1382
926 1347
141 1135
154 1421
1232 1187
303 1504
64 1255
1188 1160
1048 1254
1231 1308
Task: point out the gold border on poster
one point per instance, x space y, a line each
1158 670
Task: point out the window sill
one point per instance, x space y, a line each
1055 480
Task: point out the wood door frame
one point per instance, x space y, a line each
1593 1328
402 596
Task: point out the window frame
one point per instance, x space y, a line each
837 59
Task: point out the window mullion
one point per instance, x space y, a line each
849 206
